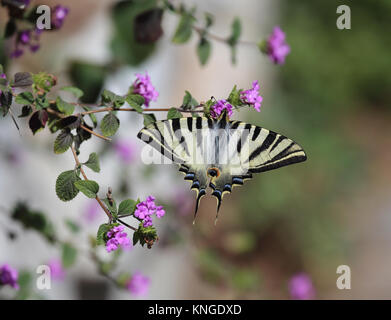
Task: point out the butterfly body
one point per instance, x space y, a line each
219 153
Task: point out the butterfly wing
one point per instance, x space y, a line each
233 149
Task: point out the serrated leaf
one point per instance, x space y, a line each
88 187
149 118
41 103
234 97
22 79
135 101
78 93
25 98
184 29
65 185
188 101
100 236
64 106
93 162
127 207
63 141
204 49
69 254
109 124
111 97
173 113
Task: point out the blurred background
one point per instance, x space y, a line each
332 96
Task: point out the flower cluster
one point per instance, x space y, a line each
29 38
277 48
301 287
117 238
59 13
26 39
138 284
146 209
219 106
143 86
9 276
252 96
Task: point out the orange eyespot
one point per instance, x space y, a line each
213 172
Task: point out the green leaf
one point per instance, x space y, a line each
173 113
72 226
149 118
63 141
127 207
93 162
236 28
184 29
65 107
135 101
234 97
41 103
65 185
88 187
103 229
69 254
89 78
25 98
234 38
78 93
188 101
125 47
109 124
203 50
112 98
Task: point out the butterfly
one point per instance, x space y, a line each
219 153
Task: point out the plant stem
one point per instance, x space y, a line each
85 178
94 133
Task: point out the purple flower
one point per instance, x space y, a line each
117 238
56 270
58 16
125 150
146 209
143 86
26 38
301 287
217 109
277 49
138 284
9 276
252 96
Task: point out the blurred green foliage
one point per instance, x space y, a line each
330 76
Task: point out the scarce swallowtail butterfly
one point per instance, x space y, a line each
219 153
